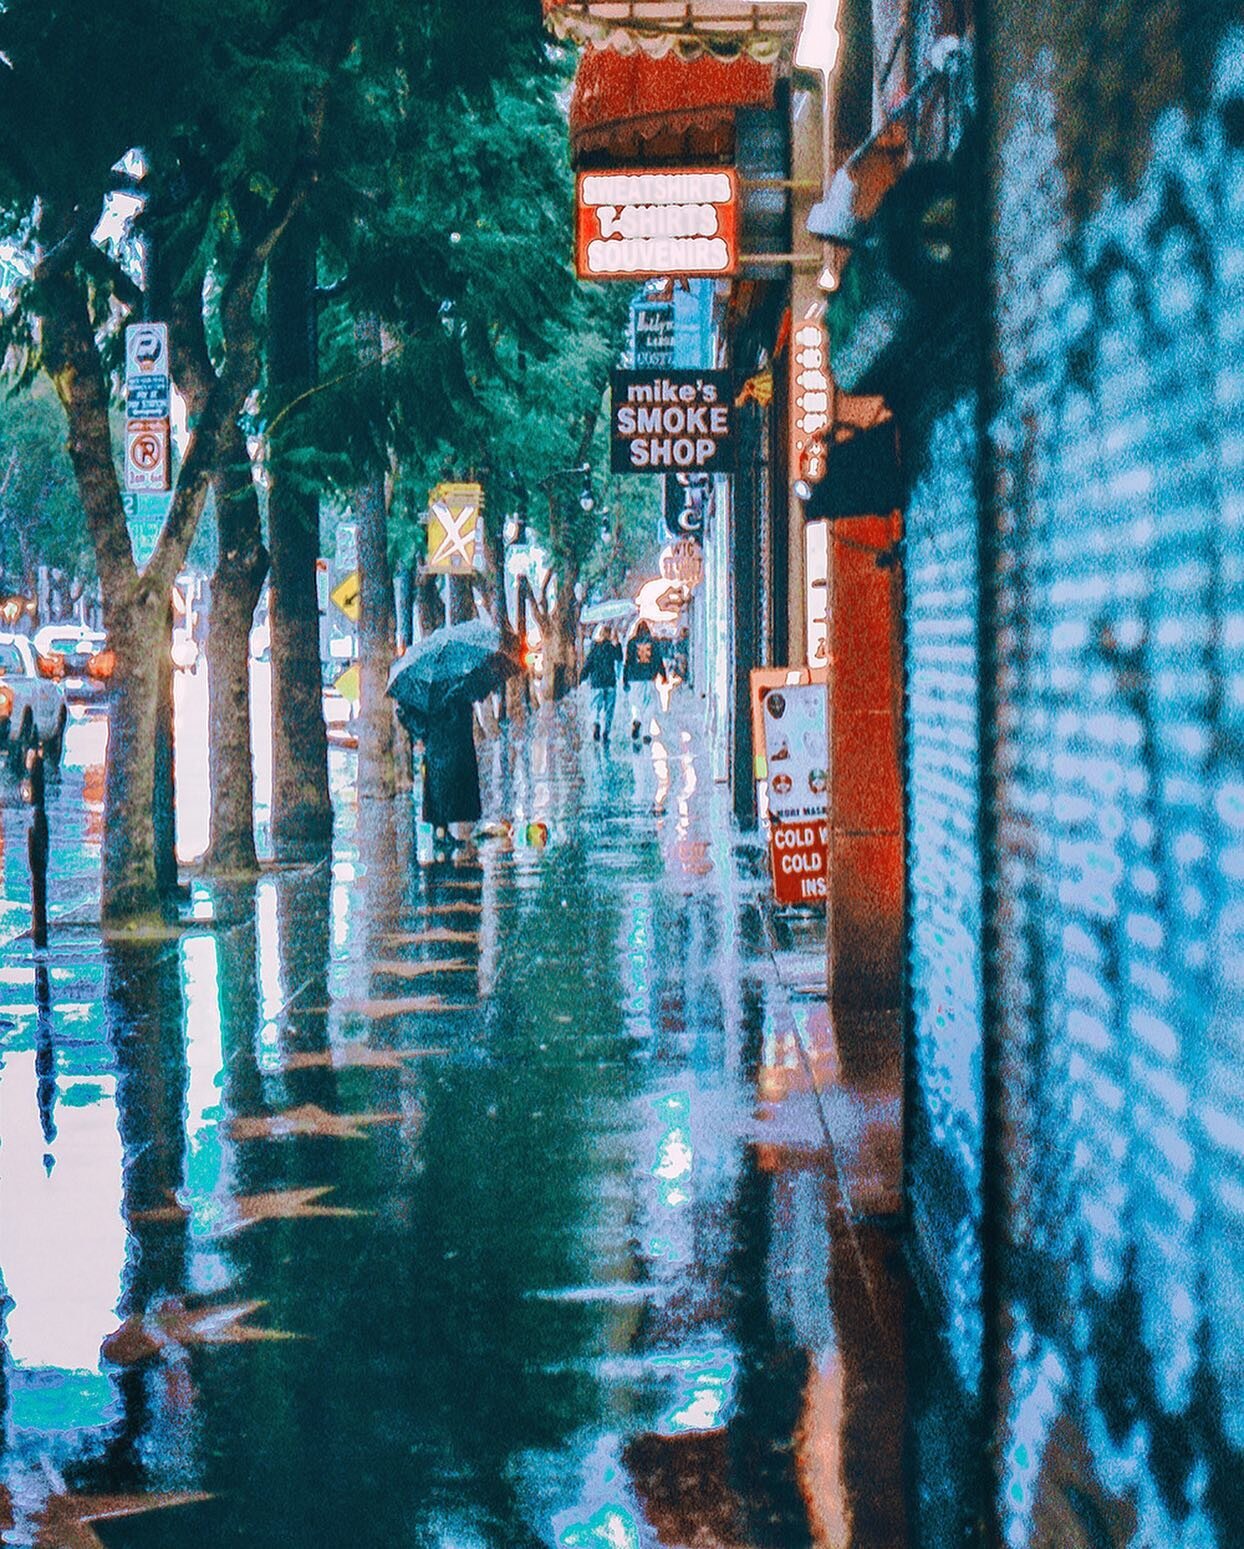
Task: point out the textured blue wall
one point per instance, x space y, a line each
1117 785
944 864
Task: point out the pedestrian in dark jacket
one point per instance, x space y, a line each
644 664
450 767
601 671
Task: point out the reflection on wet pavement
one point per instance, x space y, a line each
489 1203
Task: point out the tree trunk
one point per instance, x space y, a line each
138 633
429 604
302 817
164 789
241 566
403 753
376 618
561 654
460 599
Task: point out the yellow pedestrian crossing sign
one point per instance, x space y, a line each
453 529
347 685
346 596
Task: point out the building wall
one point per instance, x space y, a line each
1115 637
866 841
944 878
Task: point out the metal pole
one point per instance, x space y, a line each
37 848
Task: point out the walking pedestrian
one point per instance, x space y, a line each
450 769
601 668
643 665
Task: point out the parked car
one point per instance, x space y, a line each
87 662
32 703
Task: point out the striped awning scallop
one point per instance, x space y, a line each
635 108
764 29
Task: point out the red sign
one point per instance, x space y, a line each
799 857
146 454
811 401
632 225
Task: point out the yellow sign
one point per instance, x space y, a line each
347 685
346 595
453 529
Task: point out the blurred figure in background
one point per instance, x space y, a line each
601 669
644 664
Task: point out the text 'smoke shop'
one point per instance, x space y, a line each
664 421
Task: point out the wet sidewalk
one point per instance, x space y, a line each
511 1201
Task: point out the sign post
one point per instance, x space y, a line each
148 398
454 512
346 597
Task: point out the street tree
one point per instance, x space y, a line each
41 519
444 292
420 150
84 101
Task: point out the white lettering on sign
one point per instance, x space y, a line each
631 225
659 255
670 421
658 220
672 452
811 405
657 188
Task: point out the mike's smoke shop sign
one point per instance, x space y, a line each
663 421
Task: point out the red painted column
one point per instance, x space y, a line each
866 828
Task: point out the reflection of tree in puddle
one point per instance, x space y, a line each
773 1369
143 1011
93 801
45 1057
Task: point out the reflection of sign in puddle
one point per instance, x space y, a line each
617 1293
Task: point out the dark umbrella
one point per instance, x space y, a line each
461 662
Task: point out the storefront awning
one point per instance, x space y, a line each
633 108
764 29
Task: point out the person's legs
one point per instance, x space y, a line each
608 703
641 709
598 712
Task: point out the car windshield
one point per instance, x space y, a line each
11 659
73 645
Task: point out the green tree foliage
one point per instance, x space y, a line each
453 226
41 521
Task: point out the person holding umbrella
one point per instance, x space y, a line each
435 684
450 770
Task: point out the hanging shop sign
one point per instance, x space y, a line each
652 334
816 602
147 407
632 225
810 401
797 758
660 601
666 420
454 512
683 561
687 504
